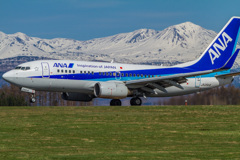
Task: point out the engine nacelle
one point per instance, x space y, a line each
72 96
113 90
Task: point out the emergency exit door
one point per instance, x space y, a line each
197 81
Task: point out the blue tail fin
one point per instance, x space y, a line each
219 52
231 61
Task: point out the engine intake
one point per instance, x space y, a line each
113 90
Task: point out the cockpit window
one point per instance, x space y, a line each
23 68
18 67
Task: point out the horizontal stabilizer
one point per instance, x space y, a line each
228 75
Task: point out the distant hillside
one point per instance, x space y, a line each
10 63
178 43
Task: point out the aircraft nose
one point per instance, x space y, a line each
7 76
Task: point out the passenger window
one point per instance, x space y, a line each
118 74
114 74
126 74
69 71
73 71
85 72
23 68
141 75
106 73
137 75
134 75
88 72
110 73
92 73
99 73
65 71
58 70
62 70
122 74
103 73
27 68
130 75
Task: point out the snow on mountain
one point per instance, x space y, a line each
182 42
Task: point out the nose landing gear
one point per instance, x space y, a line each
32 92
32 98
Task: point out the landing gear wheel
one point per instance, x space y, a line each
136 102
115 102
33 99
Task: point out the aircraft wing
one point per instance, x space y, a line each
148 84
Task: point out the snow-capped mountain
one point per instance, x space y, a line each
182 42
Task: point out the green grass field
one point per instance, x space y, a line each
146 132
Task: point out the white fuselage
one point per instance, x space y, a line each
56 75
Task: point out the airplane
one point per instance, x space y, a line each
84 81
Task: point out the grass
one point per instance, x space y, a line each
147 132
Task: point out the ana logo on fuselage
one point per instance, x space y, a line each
63 65
222 46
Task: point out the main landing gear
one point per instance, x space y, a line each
134 102
115 102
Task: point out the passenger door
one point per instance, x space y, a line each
45 70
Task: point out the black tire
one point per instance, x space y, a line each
115 102
136 102
32 100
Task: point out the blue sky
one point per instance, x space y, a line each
87 19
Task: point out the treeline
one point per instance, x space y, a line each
224 95
11 95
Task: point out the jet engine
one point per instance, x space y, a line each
113 90
72 96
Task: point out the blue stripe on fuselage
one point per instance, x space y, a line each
148 72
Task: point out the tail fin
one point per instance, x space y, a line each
219 52
231 61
